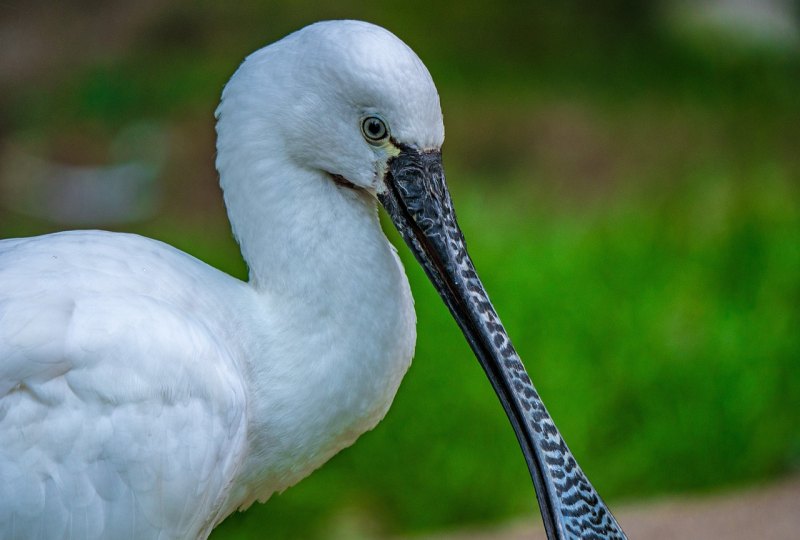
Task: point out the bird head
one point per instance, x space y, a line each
340 97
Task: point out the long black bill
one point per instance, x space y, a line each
417 199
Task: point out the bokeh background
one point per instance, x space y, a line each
627 175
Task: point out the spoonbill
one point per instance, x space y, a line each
145 394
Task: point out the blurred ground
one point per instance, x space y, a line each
767 513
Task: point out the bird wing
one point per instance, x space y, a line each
121 412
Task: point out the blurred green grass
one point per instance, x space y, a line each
631 200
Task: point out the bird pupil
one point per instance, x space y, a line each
374 129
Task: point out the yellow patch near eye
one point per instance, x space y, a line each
391 149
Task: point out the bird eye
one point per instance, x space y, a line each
374 129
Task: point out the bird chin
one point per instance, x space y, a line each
341 181
367 191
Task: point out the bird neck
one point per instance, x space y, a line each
300 233
334 322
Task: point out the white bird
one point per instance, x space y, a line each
145 394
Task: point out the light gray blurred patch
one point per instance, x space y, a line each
763 24
128 189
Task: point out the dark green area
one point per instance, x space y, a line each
631 197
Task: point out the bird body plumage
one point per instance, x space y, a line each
121 415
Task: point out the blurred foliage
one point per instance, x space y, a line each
632 201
